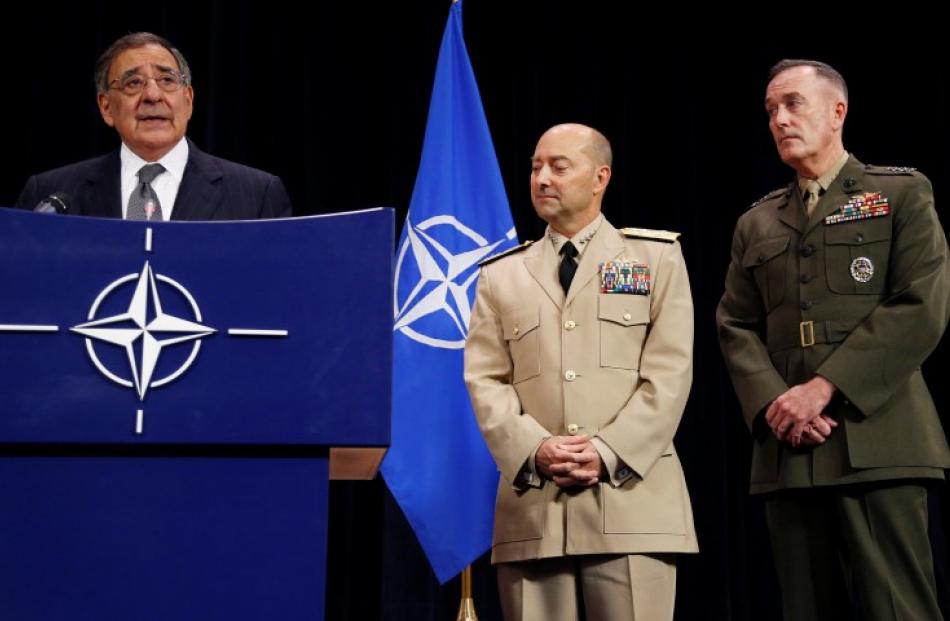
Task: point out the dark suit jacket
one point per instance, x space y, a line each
796 304
211 189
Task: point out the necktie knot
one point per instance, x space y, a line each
148 172
143 203
568 250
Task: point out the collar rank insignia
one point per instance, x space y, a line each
622 276
861 207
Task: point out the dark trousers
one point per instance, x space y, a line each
854 552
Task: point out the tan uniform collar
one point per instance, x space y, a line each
580 239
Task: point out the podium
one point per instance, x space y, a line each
169 394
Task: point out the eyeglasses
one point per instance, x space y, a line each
134 84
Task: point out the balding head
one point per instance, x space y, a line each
591 141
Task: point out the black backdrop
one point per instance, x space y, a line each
333 98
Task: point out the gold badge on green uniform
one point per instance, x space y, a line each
622 276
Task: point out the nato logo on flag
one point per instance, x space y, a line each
436 268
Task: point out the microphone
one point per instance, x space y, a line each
57 202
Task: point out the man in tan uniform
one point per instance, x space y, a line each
579 363
839 288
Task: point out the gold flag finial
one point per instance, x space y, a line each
467 605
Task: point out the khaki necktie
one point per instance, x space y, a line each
812 194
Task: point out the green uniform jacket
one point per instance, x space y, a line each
872 294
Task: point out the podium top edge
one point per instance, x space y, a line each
334 214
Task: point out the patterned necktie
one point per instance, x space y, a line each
143 204
565 272
812 194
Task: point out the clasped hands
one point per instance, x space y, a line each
797 415
569 461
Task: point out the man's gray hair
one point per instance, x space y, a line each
822 69
132 41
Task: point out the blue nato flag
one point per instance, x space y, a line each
438 467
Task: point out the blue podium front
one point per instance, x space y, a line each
168 396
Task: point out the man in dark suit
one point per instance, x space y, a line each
145 93
838 290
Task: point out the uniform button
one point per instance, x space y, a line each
807 304
849 182
808 250
569 324
572 429
806 278
761 258
570 375
515 331
623 473
627 316
859 238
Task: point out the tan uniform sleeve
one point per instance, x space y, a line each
512 435
643 429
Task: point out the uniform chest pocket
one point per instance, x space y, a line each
623 328
856 256
524 345
768 262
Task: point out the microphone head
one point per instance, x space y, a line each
57 202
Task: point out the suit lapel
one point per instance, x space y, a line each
607 244
541 263
199 194
791 211
104 189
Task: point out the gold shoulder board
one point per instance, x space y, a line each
501 255
655 234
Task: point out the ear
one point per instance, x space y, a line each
838 113
105 108
190 98
601 178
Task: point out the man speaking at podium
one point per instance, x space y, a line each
144 91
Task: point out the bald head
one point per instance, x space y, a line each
591 141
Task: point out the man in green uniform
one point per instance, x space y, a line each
838 290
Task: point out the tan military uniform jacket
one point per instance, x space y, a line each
614 366
861 302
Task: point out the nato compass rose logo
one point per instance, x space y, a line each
146 325
432 297
129 316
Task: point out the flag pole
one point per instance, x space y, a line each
467 605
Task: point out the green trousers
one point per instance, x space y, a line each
854 552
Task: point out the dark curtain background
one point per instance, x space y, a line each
333 97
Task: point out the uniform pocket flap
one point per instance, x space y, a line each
626 310
858 234
520 322
764 251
